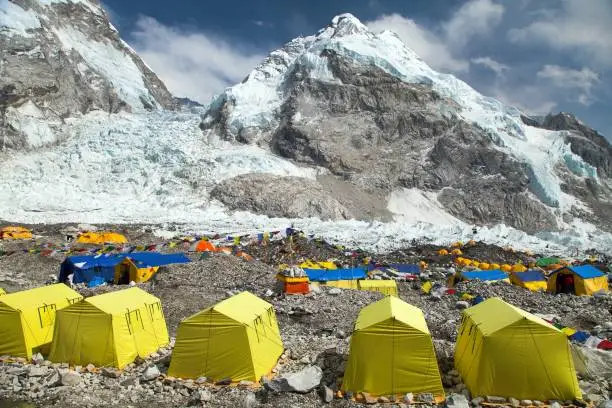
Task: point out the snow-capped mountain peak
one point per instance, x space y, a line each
63 58
316 97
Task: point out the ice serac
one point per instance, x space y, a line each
63 58
368 109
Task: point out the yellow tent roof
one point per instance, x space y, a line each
120 301
101 237
377 283
12 228
243 307
505 315
33 298
391 307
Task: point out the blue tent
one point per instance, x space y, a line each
406 268
531 275
586 271
88 267
324 275
493 275
151 259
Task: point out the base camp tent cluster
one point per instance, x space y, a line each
501 350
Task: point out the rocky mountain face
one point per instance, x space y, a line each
63 58
373 115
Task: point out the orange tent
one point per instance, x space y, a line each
205 246
245 256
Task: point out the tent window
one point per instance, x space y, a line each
73 300
155 311
135 323
46 315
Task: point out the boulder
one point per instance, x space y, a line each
250 401
151 373
71 379
302 381
37 371
334 291
462 304
457 401
38 358
327 395
203 395
110 372
52 379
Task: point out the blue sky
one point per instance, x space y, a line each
539 55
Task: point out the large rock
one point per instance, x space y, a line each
301 382
457 401
151 373
71 378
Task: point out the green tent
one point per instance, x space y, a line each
544 262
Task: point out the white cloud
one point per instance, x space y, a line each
490 63
425 43
192 64
579 26
572 80
441 46
476 17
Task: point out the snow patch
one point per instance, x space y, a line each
114 64
15 20
413 206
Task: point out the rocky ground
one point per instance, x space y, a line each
315 328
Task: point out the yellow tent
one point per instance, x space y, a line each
27 318
587 280
318 265
101 238
386 287
342 284
110 329
505 351
13 232
237 338
391 352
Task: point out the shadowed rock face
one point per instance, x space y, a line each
279 197
56 81
376 132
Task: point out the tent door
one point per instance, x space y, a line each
46 315
124 274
